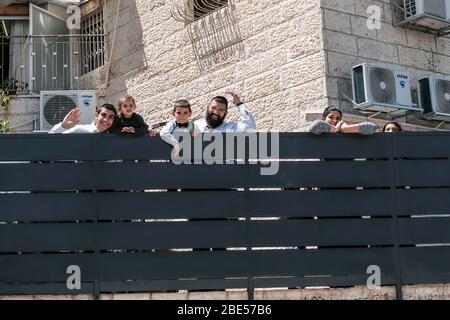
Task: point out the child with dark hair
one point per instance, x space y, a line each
182 113
129 122
332 123
392 126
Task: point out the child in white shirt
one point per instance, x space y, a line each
182 112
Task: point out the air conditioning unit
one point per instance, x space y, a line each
433 14
55 105
380 88
434 97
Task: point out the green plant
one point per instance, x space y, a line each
4 126
4 103
4 100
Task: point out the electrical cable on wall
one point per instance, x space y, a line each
119 2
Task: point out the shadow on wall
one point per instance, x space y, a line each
216 38
128 54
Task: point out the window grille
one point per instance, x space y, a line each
192 10
92 44
204 7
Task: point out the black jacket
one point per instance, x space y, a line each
136 121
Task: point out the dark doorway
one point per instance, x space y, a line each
4 53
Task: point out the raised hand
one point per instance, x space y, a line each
72 119
236 99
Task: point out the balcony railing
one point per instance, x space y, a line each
133 221
52 62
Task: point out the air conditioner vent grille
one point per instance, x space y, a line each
382 84
443 96
57 107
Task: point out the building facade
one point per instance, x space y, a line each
288 59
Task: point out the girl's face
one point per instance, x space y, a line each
127 109
182 115
333 118
391 128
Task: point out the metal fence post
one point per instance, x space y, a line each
395 206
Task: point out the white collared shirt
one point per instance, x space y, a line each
170 128
247 123
80 128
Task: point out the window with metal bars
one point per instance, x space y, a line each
4 56
204 7
92 42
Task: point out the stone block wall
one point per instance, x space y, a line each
275 59
348 41
286 58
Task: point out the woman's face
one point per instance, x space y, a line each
391 128
333 118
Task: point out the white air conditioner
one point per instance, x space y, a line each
55 105
434 97
433 14
380 88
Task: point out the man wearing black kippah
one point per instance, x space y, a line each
217 111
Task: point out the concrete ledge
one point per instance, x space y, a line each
416 292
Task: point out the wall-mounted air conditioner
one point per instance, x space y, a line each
380 88
55 105
434 97
433 14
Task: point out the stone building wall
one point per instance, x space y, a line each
348 41
274 59
286 58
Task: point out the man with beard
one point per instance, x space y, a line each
217 112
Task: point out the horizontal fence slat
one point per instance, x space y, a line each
423 230
111 147
292 145
34 289
175 285
295 146
431 145
224 264
425 264
423 173
44 147
165 205
42 268
43 237
345 174
222 234
423 201
47 207
286 203
46 177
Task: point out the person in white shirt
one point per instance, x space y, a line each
103 121
217 111
182 113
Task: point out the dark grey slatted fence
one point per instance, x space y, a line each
337 205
